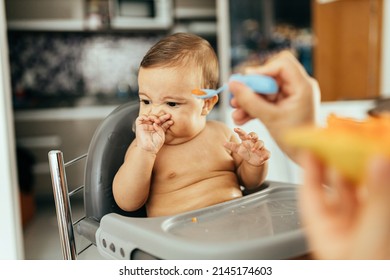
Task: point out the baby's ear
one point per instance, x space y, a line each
209 104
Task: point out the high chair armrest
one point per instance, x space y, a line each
87 228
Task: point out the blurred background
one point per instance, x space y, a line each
71 62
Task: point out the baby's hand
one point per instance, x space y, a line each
251 149
150 131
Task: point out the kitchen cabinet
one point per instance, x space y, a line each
186 9
145 15
198 17
84 15
48 15
347 51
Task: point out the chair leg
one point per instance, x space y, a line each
63 209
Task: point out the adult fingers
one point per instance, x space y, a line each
253 104
240 117
283 66
312 194
378 184
374 223
343 197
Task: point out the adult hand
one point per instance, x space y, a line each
345 221
294 105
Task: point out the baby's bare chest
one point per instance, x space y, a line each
192 162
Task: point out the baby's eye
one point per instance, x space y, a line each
172 104
146 102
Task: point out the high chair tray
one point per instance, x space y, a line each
261 225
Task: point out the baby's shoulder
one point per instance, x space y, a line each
219 127
217 124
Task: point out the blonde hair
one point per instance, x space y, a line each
184 49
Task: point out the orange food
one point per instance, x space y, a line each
345 143
194 220
198 92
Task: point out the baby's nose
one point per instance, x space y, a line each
157 110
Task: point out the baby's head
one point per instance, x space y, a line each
183 50
168 73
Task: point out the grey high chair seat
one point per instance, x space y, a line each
263 224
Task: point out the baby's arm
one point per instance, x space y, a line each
251 158
132 181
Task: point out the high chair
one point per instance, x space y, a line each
263 224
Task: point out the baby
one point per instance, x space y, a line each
179 161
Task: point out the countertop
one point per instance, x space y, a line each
71 107
66 113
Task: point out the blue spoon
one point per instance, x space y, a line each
258 83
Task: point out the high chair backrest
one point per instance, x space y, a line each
105 155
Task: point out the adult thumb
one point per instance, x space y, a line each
374 222
249 101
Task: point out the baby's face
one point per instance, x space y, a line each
168 91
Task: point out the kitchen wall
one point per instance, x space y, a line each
56 69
